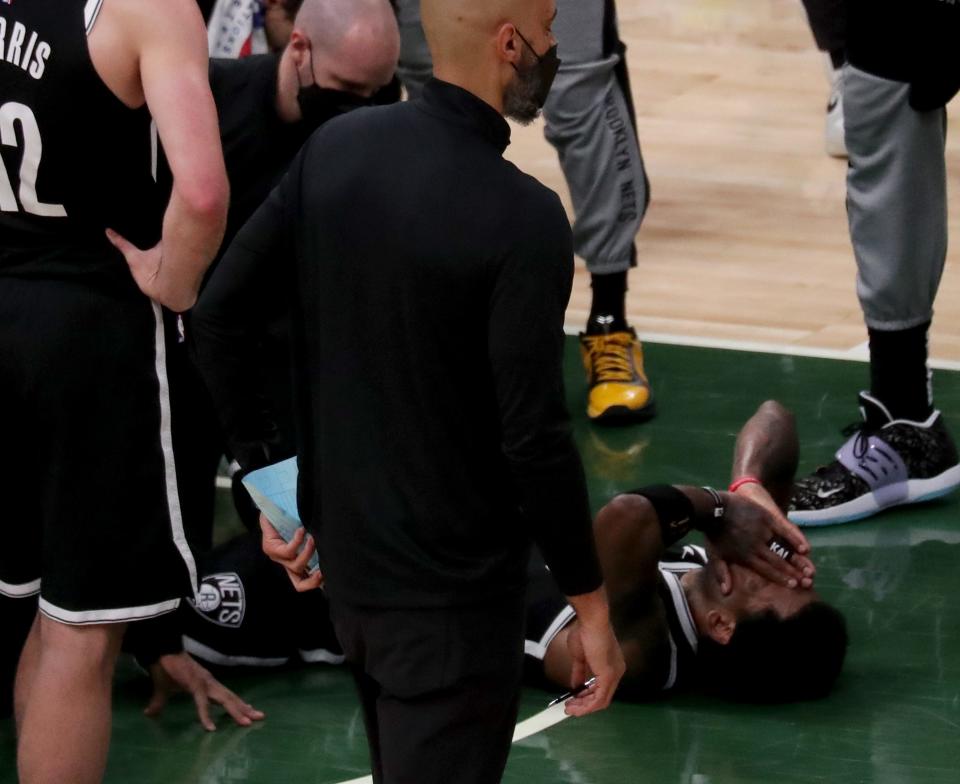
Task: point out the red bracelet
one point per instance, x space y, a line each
743 480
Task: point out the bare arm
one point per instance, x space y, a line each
767 449
171 51
593 650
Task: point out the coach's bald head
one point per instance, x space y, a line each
346 45
491 48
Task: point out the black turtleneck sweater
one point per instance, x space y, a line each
429 279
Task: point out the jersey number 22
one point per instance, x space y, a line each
10 114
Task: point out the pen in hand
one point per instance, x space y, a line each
573 693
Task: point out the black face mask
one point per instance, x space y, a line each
547 66
319 104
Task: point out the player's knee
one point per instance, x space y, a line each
89 650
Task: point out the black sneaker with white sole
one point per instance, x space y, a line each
885 462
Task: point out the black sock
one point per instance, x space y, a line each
838 57
608 311
898 371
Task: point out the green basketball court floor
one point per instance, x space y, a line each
894 718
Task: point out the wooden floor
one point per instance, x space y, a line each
746 237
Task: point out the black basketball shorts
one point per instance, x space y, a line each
92 513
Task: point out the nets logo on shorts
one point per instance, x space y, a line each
221 599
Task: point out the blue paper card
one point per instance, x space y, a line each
274 491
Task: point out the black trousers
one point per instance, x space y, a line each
439 688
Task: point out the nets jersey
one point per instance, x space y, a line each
74 160
247 613
683 631
548 612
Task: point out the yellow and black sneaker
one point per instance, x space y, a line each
618 386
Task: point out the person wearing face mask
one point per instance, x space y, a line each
339 54
429 279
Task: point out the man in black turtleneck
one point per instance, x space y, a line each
429 279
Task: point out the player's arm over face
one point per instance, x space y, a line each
144 53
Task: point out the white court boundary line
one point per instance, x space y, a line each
536 723
856 354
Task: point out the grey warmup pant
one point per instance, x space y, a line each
896 200
590 122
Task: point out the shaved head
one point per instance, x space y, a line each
329 24
349 46
454 28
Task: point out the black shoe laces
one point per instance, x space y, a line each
863 431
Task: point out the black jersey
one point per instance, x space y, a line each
683 629
247 613
547 612
75 160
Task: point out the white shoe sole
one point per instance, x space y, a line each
917 491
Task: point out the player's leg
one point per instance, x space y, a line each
65 730
20 472
26 670
591 123
113 548
896 202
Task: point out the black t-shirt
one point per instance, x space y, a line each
75 160
257 145
429 278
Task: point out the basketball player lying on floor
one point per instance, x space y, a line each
683 620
